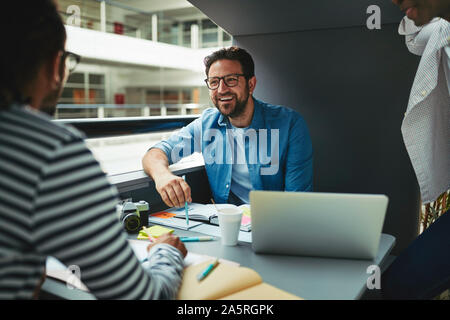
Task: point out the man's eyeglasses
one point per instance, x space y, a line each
231 80
71 60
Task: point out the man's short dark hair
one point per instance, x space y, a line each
33 34
232 53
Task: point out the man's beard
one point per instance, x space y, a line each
239 107
49 102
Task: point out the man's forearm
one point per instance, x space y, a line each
155 163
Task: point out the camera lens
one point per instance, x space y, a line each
131 222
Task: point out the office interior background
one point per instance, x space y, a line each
143 59
158 70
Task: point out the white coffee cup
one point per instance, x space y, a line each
230 217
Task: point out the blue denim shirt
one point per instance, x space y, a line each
278 148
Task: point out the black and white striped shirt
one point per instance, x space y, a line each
56 201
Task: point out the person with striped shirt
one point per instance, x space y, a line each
54 198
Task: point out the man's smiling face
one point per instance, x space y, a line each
231 101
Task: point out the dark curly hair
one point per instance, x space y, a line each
33 33
232 53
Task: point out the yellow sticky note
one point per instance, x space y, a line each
154 231
246 211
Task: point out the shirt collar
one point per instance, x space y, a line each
257 120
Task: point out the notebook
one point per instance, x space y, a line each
226 282
208 213
196 211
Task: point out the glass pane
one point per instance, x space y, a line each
76 77
210 37
187 25
226 36
153 97
170 96
96 96
208 24
186 96
67 93
96 78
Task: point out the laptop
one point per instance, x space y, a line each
335 225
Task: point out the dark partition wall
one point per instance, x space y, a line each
351 85
352 88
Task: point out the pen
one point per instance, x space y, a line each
186 206
195 239
202 275
212 200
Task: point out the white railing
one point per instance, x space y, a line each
67 111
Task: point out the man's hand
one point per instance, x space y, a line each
172 240
174 190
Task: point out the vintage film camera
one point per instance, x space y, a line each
133 215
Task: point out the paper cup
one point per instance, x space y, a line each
230 217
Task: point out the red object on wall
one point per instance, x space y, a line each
118 28
119 98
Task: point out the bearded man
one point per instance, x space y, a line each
247 144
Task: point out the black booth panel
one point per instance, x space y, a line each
352 86
197 180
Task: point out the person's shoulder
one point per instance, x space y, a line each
279 112
68 132
44 125
210 117
210 112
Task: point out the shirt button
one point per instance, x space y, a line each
423 93
227 186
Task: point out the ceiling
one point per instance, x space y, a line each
154 5
249 17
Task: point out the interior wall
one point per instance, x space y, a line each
352 86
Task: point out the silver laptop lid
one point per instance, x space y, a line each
317 224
